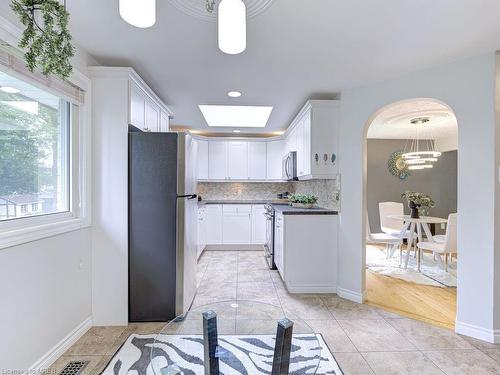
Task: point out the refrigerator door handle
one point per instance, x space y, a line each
188 196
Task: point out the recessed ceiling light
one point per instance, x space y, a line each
10 90
236 131
236 116
138 13
234 94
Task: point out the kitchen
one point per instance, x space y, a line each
249 193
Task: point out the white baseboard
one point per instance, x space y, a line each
53 354
480 333
350 295
311 289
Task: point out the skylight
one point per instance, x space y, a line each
236 116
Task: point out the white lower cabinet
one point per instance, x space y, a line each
231 224
213 224
305 252
259 225
237 224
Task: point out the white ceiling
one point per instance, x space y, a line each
296 49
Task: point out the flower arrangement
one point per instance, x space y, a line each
46 37
303 200
418 201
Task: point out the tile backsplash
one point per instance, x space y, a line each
327 191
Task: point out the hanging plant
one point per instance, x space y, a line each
46 39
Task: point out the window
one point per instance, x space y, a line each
34 150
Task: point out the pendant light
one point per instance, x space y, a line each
138 13
232 26
422 152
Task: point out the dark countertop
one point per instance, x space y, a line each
282 207
289 210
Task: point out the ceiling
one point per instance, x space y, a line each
393 122
296 49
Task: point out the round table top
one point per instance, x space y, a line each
421 219
246 339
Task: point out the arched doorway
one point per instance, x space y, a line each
412 281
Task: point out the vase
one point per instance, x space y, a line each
413 210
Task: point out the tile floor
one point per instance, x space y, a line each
363 339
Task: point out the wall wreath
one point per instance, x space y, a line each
397 166
46 38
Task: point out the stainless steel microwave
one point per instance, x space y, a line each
290 166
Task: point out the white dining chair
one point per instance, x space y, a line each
387 224
449 246
391 243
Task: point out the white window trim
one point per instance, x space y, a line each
23 230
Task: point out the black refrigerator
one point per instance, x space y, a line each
162 225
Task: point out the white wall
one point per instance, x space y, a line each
45 289
468 87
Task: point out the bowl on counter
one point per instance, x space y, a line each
303 205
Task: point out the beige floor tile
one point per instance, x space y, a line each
261 276
146 328
305 307
259 311
375 335
401 363
220 276
343 309
333 334
479 344
256 327
98 341
220 291
258 291
427 337
493 353
466 362
353 364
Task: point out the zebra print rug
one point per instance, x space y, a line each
244 355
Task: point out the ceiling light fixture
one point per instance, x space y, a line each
232 26
236 131
234 94
422 152
10 90
138 13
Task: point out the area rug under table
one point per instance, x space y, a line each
246 354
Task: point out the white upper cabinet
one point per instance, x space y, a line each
217 160
137 108
202 161
152 117
164 122
275 153
257 160
146 111
237 160
314 132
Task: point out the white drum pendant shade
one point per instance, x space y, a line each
232 26
138 13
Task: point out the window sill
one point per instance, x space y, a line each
28 232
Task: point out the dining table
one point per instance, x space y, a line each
419 225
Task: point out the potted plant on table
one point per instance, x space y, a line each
303 200
418 201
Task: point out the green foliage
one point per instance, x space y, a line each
27 144
303 198
48 46
421 200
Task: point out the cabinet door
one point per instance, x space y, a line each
275 153
259 225
291 140
164 122
213 224
152 117
306 144
202 160
279 244
237 228
217 160
257 158
201 230
137 108
299 131
237 160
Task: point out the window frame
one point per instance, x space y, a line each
31 228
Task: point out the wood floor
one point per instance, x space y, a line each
430 304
